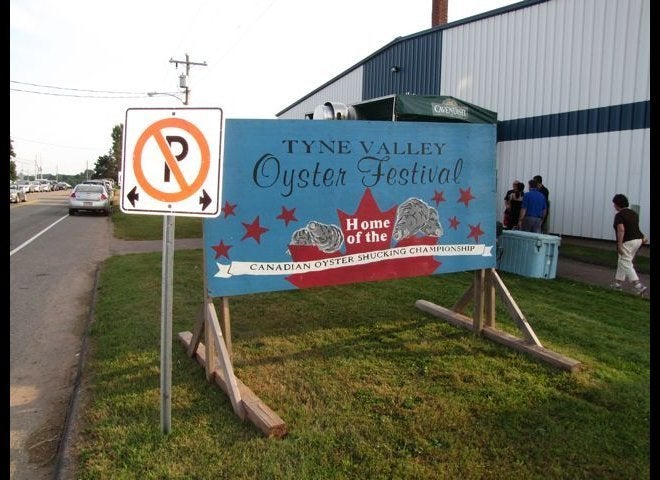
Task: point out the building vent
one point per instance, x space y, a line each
334 111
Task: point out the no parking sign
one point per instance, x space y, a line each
172 161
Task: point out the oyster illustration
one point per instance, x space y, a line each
413 216
327 238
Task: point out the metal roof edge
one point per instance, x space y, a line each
474 18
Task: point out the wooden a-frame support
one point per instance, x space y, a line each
482 293
214 354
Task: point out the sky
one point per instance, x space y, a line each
76 66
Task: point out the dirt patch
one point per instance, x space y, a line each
42 445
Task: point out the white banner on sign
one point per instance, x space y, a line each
287 268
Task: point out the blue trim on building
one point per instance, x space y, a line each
628 116
417 62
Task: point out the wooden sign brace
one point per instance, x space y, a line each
482 292
214 354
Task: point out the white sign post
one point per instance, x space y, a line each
171 166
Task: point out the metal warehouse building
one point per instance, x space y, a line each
569 80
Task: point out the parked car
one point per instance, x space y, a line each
106 184
17 195
89 197
23 185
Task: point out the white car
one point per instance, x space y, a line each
89 197
17 195
23 185
106 184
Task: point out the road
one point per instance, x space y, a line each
53 262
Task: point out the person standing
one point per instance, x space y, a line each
546 193
533 210
513 202
516 204
629 238
506 221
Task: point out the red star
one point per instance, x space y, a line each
438 197
287 216
228 209
454 223
221 250
466 196
254 230
475 232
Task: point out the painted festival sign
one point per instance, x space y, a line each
315 203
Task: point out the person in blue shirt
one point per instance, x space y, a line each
544 190
533 210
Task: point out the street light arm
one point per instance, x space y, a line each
153 94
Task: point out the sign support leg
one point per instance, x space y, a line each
483 291
166 326
226 324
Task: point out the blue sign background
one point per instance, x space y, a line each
308 203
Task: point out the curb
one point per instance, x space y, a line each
64 457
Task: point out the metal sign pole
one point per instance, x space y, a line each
166 326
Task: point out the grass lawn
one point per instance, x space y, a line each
369 386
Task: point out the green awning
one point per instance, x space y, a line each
423 108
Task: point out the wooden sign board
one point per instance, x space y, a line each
315 203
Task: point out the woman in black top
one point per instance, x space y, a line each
513 200
629 239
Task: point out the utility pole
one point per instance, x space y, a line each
183 79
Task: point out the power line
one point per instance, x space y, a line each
77 96
114 94
76 89
237 39
51 144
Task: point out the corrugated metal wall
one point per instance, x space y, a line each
551 57
418 61
570 82
583 172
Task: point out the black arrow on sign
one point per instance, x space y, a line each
204 200
133 196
